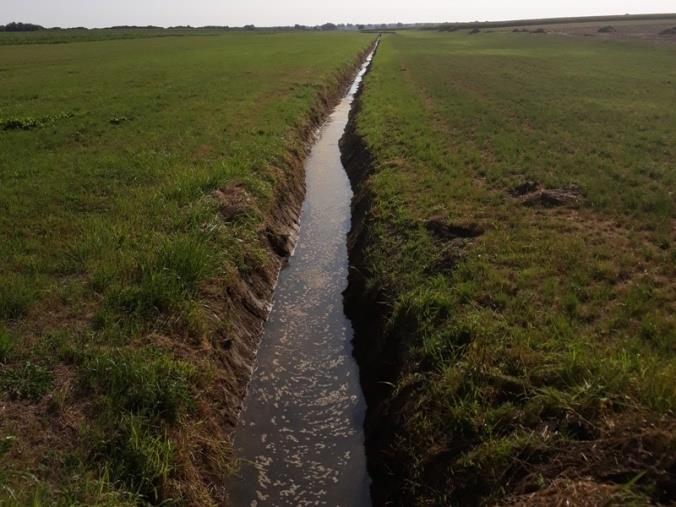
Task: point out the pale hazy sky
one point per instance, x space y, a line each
94 13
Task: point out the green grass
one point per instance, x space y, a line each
25 381
112 244
66 36
553 331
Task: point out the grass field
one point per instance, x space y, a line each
113 243
519 239
53 36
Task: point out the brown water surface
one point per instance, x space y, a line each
300 438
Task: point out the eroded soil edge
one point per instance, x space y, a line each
247 300
375 350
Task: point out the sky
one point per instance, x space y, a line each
99 13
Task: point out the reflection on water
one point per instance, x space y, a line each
300 437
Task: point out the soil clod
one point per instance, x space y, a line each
534 194
524 188
442 230
552 198
234 201
281 243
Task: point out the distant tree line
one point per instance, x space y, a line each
326 27
135 27
20 27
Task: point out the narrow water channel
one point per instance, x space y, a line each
300 438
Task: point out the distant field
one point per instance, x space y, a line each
81 35
654 27
114 238
659 30
519 241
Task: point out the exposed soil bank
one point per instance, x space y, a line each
247 302
376 351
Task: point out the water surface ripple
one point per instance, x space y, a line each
300 438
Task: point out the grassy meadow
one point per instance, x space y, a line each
64 36
111 239
520 233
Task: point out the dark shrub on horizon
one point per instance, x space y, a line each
21 27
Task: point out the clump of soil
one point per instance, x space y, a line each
669 31
524 188
280 242
539 30
552 198
607 29
234 201
444 231
533 194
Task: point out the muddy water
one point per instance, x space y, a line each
300 437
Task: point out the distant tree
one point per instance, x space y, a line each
361 27
21 27
249 28
134 27
299 27
328 27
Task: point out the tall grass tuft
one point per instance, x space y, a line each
143 382
16 295
138 456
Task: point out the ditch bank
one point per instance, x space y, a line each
204 448
378 352
410 465
382 353
300 437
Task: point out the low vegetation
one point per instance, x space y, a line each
81 34
515 234
120 250
452 27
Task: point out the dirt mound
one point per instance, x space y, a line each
524 188
607 29
533 194
552 198
669 31
234 201
444 231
